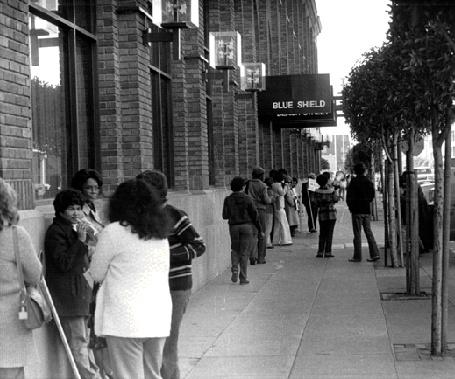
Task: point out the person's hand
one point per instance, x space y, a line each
81 230
262 234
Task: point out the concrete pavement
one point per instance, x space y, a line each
304 317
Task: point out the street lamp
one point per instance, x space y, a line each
173 15
252 77
225 54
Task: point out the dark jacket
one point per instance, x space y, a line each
66 261
360 194
258 192
185 244
238 209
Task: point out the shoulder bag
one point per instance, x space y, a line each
34 311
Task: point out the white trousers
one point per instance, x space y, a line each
281 232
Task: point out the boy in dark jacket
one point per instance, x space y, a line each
360 194
185 245
66 262
242 215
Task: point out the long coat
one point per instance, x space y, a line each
66 262
16 342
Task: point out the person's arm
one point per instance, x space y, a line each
185 243
266 199
62 252
30 263
226 212
104 252
253 213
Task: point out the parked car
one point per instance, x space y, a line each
424 174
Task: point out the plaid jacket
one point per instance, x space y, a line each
325 199
185 244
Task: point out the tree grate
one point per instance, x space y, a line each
402 296
420 352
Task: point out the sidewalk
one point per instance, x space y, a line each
303 317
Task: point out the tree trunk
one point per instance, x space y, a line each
391 214
374 209
412 219
436 311
446 238
397 198
384 186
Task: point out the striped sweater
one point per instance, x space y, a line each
185 244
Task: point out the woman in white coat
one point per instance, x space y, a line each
131 259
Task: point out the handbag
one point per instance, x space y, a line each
34 311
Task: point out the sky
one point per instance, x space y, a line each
349 29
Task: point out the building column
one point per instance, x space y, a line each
109 94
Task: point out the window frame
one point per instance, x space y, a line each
71 31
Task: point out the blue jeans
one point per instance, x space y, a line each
170 367
242 243
359 220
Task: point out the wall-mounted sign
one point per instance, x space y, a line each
297 98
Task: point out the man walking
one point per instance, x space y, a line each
360 194
257 190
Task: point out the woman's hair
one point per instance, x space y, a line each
138 205
268 181
81 177
237 183
157 180
322 180
359 169
65 199
277 176
8 204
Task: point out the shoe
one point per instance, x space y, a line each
329 255
355 260
252 261
313 231
269 247
374 259
261 262
319 255
234 277
286 244
245 281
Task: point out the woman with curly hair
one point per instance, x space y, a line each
131 260
16 342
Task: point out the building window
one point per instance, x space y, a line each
163 132
62 96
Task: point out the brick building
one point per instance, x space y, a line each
80 87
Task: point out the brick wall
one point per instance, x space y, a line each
15 113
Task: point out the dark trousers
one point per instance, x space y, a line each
312 212
261 239
359 220
242 243
326 228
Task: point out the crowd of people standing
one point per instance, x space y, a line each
121 282
264 212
